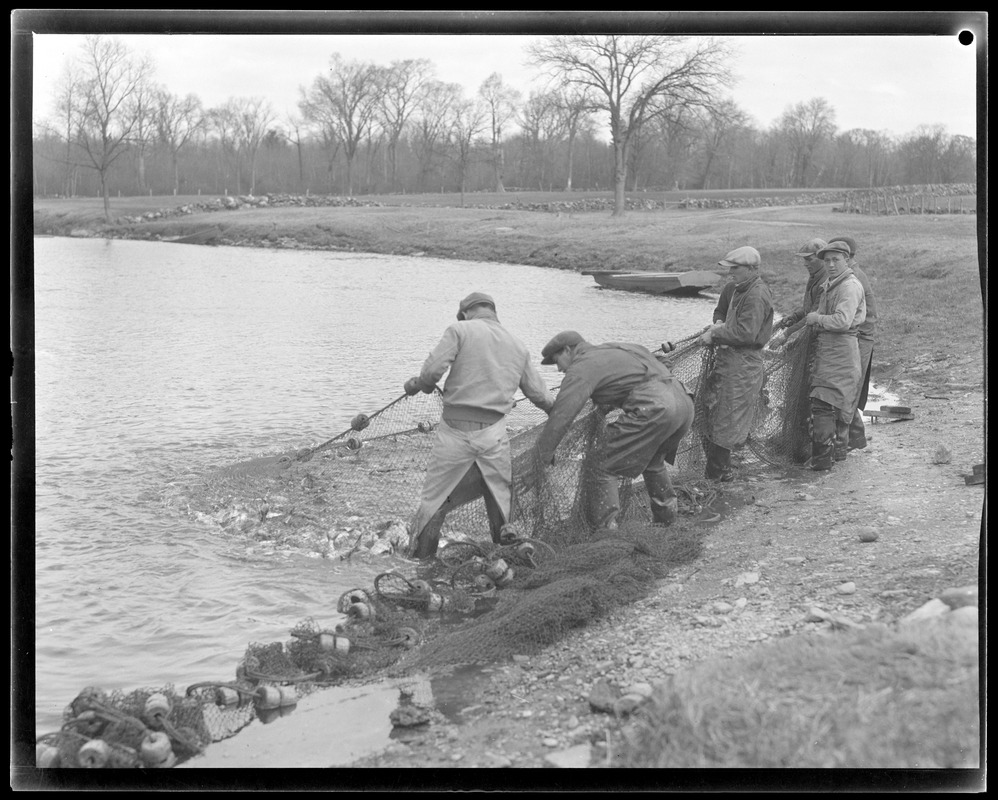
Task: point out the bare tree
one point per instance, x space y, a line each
112 77
806 126
719 123
403 84
467 123
542 125
575 104
344 102
432 119
628 73
177 122
67 103
500 103
253 116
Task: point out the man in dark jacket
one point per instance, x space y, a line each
657 413
736 382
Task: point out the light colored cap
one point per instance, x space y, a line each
742 257
811 247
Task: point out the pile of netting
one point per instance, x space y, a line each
476 601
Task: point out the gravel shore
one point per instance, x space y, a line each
789 562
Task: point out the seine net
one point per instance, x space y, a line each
476 601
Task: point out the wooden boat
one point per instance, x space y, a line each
656 282
204 236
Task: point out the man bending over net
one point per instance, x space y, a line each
657 414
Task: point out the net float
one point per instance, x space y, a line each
157 709
360 422
226 696
425 427
435 602
93 754
409 637
483 584
330 642
46 756
155 749
289 696
354 443
266 698
496 569
421 587
361 610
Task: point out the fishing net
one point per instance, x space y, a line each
477 601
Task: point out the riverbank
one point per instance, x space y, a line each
793 545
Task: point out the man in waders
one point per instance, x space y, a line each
835 376
471 454
866 337
657 413
736 381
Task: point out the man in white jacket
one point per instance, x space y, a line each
487 364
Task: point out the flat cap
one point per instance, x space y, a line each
559 343
475 299
811 247
848 240
835 247
742 257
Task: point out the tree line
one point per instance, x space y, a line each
364 128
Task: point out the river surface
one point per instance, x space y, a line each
157 360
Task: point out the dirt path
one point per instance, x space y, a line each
792 548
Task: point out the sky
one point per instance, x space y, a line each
892 84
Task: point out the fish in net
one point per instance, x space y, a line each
476 601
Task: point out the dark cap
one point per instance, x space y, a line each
559 343
835 247
848 240
475 299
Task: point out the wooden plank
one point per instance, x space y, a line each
887 415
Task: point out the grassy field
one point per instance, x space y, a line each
924 268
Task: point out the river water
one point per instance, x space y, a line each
157 360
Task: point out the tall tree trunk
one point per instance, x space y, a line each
619 177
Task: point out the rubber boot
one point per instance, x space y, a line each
428 539
607 501
664 503
823 431
841 446
857 432
718 463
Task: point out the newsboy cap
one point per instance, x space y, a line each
848 240
559 343
475 299
811 247
837 246
742 257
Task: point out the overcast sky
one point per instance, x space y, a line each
885 83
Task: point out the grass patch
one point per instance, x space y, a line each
860 699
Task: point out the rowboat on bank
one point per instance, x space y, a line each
203 236
656 282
